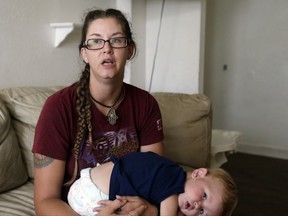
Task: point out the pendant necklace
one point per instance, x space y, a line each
111 114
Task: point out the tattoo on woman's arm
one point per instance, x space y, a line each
41 161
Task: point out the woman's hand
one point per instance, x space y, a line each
114 208
135 202
127 205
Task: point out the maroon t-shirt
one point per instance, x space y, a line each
139 123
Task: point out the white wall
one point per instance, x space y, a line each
177 63
28 55
250 37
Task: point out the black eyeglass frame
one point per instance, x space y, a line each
85 45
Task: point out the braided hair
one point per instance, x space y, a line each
83 105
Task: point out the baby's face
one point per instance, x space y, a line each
202 196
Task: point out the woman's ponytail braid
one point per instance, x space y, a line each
83 108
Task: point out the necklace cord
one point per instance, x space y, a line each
111 114
104 105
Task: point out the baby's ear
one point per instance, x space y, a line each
199 173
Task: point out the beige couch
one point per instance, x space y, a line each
187 129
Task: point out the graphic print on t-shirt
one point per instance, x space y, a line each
106 144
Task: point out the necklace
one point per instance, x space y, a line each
111 114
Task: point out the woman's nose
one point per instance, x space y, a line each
107 48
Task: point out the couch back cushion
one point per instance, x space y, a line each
24 105
12 168
187 120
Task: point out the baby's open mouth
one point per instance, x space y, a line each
188 206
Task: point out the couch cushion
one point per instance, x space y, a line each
187 127
25 134
12 168
18 201
24 105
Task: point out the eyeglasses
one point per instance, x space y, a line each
96 43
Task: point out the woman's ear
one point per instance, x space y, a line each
84 55
130 52
199 173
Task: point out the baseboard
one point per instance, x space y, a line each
268 151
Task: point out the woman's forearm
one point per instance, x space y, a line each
53 207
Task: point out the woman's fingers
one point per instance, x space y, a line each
110 207
138 211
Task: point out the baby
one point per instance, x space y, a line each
160 181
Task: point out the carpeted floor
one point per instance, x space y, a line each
262 184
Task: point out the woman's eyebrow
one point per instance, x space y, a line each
117 33
114 34
95 34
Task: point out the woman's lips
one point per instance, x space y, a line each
107 62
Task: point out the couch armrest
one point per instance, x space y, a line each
12 168
187 123
24 105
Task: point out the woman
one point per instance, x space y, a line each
84 124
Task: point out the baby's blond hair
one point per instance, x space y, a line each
230 192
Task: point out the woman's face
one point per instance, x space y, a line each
106 64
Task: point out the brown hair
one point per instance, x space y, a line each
83 92
230 192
